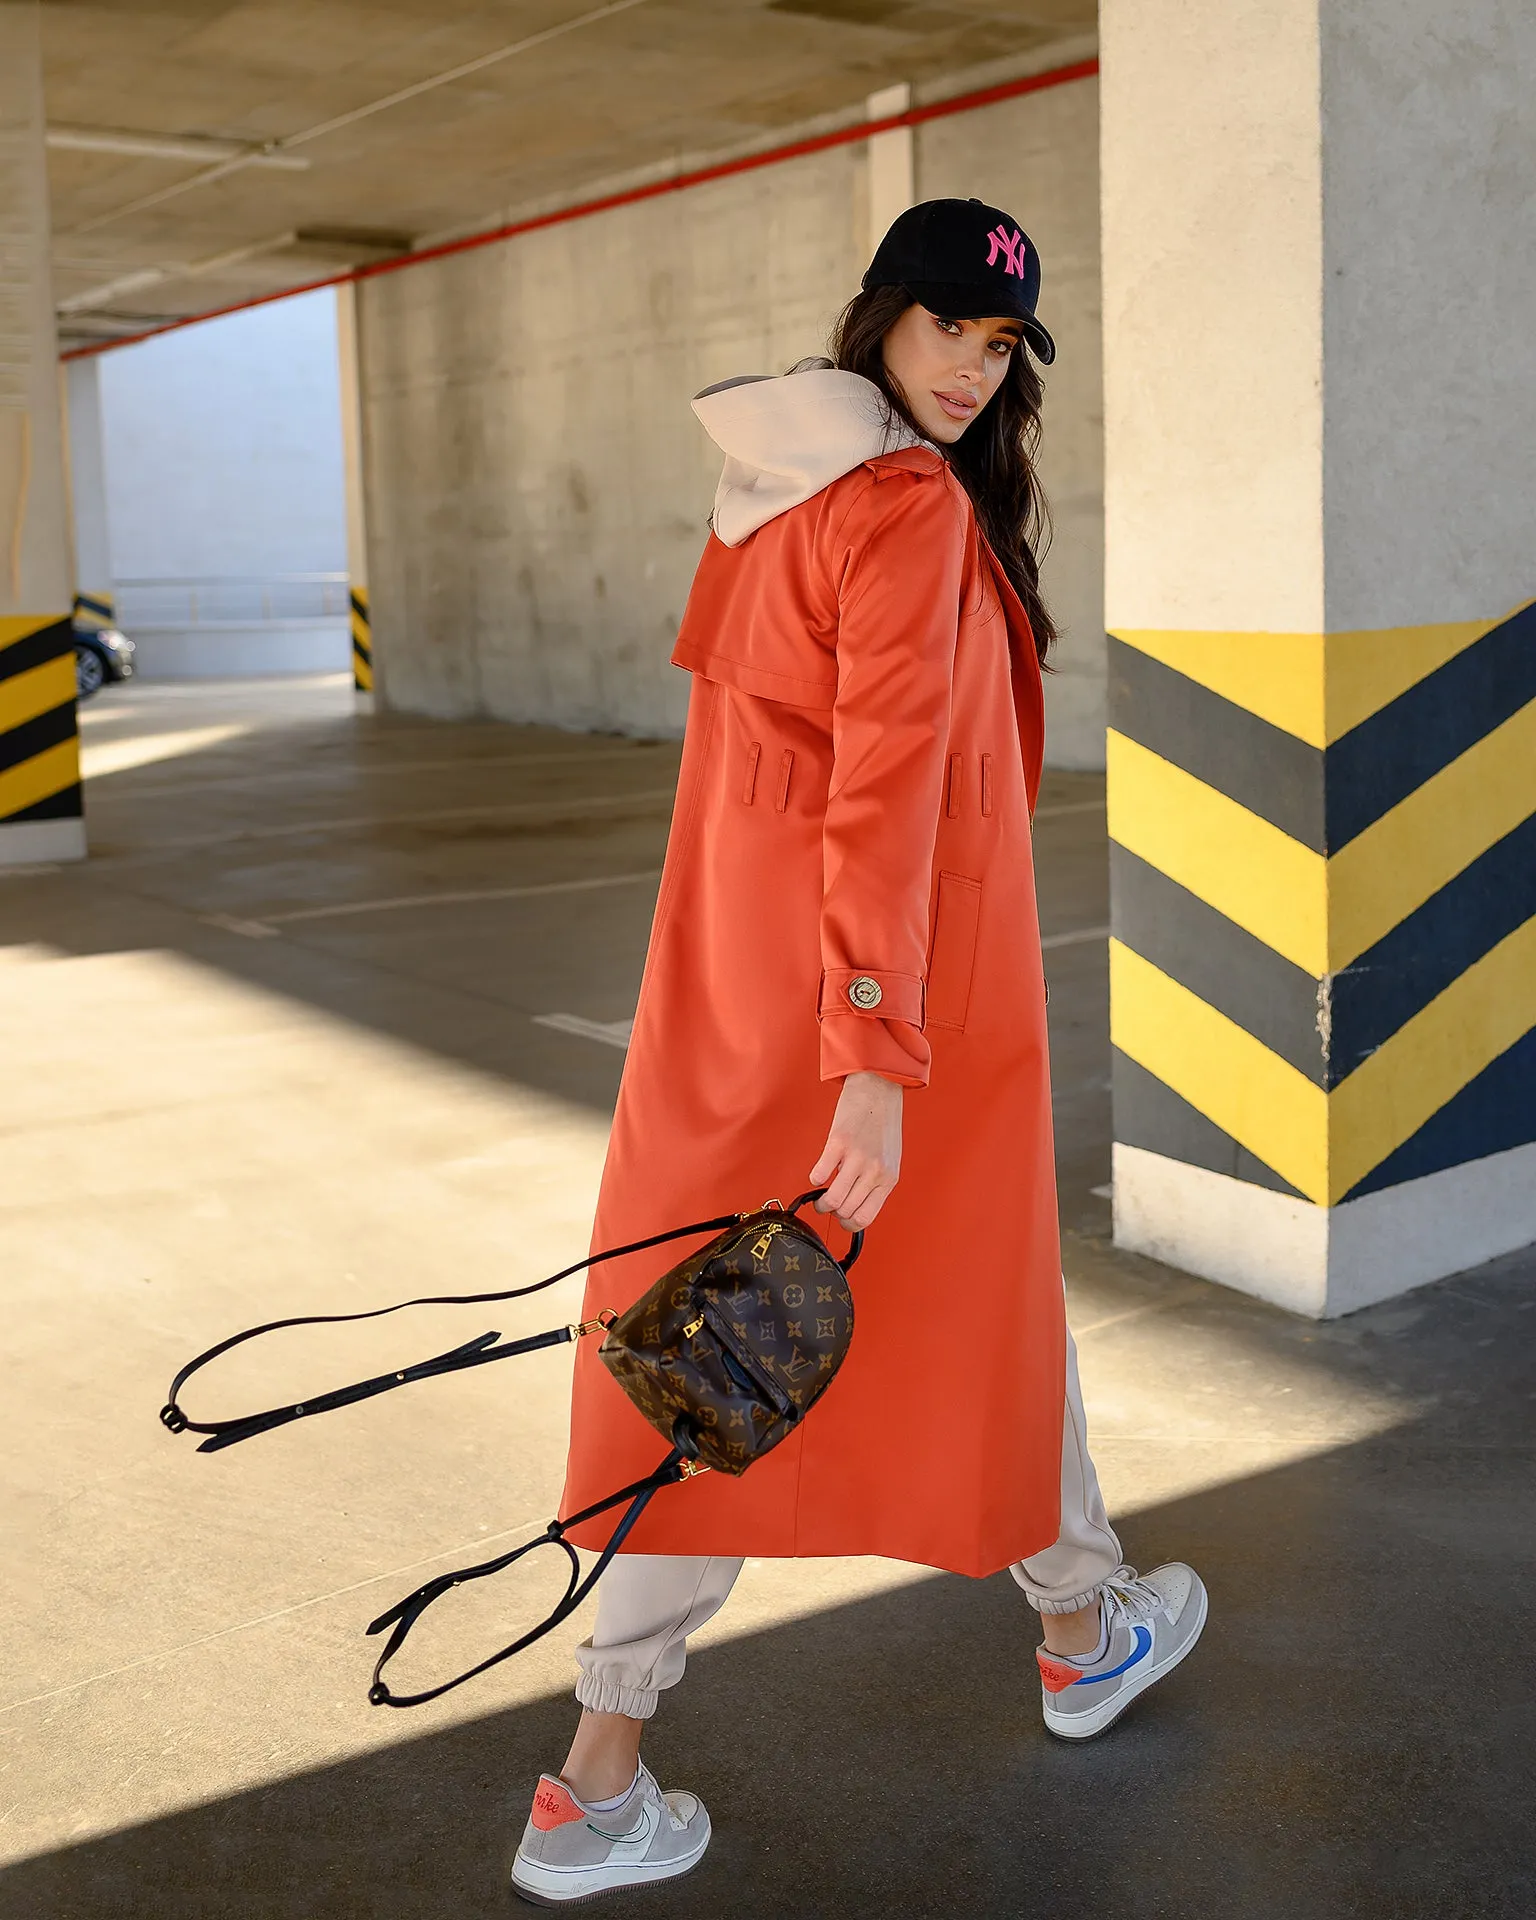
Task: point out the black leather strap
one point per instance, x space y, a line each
404 1615
475 1353
478 1352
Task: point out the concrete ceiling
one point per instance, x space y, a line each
251 188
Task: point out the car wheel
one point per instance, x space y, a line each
90 671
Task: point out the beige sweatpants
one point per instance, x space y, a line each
649 1603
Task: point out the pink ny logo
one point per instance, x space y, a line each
1012 250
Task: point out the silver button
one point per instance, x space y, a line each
865 993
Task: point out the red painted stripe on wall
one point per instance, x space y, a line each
678 183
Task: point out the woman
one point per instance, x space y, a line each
846 919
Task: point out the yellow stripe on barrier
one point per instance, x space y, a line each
39 778
1428 1061
1247 869
26 695
1220 1069
1368 670
1427 839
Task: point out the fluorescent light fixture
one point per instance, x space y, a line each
200 148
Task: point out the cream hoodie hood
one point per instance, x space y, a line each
785 439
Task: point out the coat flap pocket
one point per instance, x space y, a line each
956 920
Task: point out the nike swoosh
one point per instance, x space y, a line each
1142 1649
635 1842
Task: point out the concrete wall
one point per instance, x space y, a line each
1212 230
1429 238
222 457
538 489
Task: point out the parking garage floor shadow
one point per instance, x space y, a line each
1351 1740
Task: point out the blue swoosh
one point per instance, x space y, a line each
1142 1649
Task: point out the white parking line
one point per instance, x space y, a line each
1078 937
612 1033
1070 806
361 769
574 808
266 928
615 1033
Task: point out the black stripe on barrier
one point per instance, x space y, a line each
1422 955
67 804
1370 999
32 737
36 649
1325 800
1387 757
1261 767
1149 1114
1491 1114
1266 994
87 603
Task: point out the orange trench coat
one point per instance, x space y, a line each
861 760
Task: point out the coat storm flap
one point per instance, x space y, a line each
861 761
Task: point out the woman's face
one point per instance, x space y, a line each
947 370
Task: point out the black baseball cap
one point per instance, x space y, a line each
966 261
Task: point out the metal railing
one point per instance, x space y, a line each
231 600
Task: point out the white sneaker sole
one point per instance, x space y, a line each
1084 1726
546 1886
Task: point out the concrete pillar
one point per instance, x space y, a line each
892 181
352 475
88 493
40 807
1319 277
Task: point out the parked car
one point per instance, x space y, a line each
101 654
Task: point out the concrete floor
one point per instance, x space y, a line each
279 1047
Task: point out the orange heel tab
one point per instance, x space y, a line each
554 1805
1056 1675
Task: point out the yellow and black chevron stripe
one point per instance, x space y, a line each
93 608
39 739
1323 847
362 642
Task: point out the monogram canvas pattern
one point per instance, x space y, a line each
738 1341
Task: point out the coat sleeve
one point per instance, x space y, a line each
900 554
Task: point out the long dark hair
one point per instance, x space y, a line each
994 459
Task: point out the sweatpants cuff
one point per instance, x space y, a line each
607 1696
1065 1606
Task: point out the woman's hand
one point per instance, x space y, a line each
862 1158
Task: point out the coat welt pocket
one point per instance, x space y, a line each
786 768
953 957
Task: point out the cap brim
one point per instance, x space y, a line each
979 303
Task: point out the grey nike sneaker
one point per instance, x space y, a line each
1154 1620
570 1853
